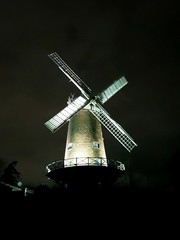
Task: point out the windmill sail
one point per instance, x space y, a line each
85 101
112 89
70 74
114 128
68 112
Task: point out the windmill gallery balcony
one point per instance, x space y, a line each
87 171
88 161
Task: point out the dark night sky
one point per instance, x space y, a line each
100 42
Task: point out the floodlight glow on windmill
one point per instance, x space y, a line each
85 115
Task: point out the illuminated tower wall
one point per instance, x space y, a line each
85 143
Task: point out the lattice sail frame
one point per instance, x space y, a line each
114 128
70 74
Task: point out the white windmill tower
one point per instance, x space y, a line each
85 151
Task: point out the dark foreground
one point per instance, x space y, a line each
91 213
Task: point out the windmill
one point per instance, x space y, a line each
85 115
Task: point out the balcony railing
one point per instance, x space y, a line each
87 161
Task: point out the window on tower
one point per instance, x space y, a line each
70 145
95 145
